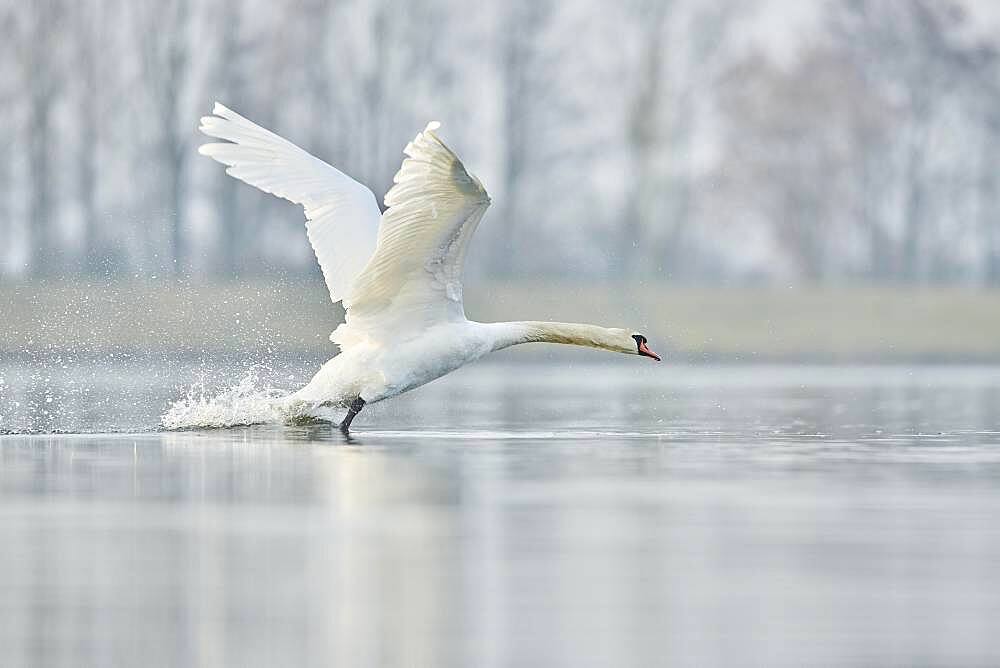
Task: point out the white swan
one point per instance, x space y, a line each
398 274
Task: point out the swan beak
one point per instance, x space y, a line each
646 352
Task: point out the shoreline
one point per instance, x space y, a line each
844 325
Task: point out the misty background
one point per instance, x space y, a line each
708 141
747 179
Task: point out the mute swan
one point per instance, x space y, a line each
398 274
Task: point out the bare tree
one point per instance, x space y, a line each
989 209
914 50
38 53
163 29
542 144
232 87
365 68
672 83
984 96
644 136
92 68
792 151
692 96
400 66
7 111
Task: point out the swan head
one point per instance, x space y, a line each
641 348
626 341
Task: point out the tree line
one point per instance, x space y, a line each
659 139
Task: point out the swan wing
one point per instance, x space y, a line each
342 215
414 278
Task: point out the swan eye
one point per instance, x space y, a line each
639 339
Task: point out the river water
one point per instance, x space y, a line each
512 514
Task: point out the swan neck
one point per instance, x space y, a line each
533 331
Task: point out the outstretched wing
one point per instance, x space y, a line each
414 279
342 216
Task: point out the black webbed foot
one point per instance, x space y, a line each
352 412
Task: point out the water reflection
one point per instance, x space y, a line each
725 516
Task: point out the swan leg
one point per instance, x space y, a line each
352 412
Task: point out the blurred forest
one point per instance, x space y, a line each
695 141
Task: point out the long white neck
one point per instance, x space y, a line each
506 334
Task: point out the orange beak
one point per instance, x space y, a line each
646 352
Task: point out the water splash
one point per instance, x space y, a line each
249 401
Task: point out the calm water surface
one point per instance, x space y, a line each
512 514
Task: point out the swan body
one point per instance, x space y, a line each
398 274
377 370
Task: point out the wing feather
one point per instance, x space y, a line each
342 215
414 278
